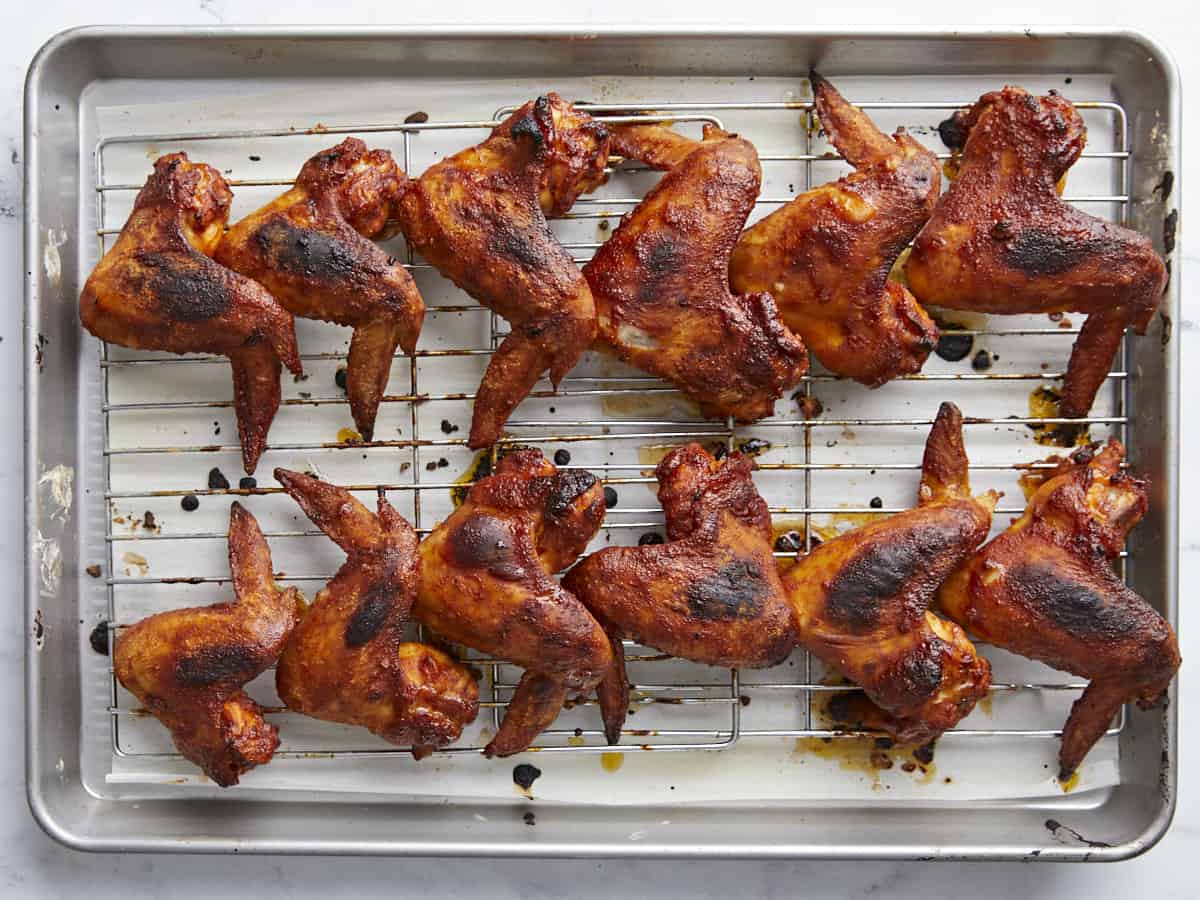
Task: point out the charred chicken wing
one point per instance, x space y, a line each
1002 240
661 282
485 581
1046 589
158 288
188 666
312 249
480 218
825 257
347 660
861 600
711 594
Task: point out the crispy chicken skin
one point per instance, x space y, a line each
711 594
861 600
1046 589
311 248
661 282
485 581
188 666
480 217
157 288
825 256
347 660
1002 240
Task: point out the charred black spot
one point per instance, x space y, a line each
1035 251
736 591
211 665
921 673
859 592
522 245
99 638
953 132
527 125
310 254
485 542
369 616
566 488
1165 185
1072 606
1170 226
185 293
524 775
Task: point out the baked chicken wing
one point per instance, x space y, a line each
157 288
825 256
311 248
188 666
485 581
1001 240
347 660
480 218
710 594
861 600
661 282
1046 589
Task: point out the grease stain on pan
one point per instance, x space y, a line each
59 483
49 555
51 258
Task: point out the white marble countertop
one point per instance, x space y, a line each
31 865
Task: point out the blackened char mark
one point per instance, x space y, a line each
184 291
659 258
370 614
1036 251
867 584
736 591
310 254
1072 606
212 665
486 542
565 489
525 246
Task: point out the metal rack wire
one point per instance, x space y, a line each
678 698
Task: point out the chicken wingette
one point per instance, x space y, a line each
480 218
1046 589
313 249
661 282
1002 240
826 256
188 666
861 600
347 661
158 288
710 594
486 582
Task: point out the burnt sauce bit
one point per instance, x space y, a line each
99 638
217 480
524 775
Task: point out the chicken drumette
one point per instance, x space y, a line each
158 288
188 666
486 581
661 282
1001 240
712 594
1046 589
825 256
480 218
347 660
311 248
861 600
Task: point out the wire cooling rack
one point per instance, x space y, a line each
167 424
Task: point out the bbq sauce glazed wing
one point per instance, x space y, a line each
188 666
861 600
347 660
158 288
1046 589
485 581
661 282
1002 240
311 248
480 216
825 256
711 594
